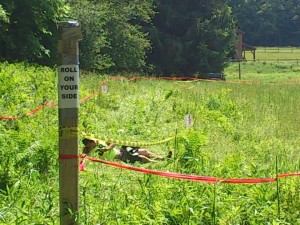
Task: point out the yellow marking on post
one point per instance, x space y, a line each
68 132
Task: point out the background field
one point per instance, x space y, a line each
288 55
240 127
271 65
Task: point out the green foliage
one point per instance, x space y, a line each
237 132
26 87
29 30
264 71
192 37
39 85
187 37
268 23
189 153
3 15
113 38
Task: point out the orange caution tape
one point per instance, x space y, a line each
196 178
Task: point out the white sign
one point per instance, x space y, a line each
188 120
104 89
68 86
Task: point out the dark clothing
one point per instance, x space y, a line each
130 154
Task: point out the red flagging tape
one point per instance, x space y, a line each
289 175
90 96
9 117
204 179
34 111
82 162
31 113
70 156
247 181
48 104
155 172
82 157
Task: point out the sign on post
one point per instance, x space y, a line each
68 88
68 107
188 119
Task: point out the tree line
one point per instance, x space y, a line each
268 22
182 37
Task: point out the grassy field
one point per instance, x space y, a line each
241 126
289 55
271 65
263 72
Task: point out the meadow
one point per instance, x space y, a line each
283 55
242 128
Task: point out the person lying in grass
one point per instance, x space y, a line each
129 154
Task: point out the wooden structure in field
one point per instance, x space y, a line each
241 47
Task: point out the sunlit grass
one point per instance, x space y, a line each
240 128
275 53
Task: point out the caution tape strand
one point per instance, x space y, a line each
196 178
126 143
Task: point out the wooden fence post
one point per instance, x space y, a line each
68 107
214 213
240 72
277 188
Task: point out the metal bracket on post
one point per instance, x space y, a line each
68 107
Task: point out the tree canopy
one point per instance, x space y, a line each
178 36
113 36
28 28
185 37
268 22
192 36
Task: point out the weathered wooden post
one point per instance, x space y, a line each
68 107
240 72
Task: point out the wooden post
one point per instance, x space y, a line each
240 73
214 213
68 107
278 190
175 148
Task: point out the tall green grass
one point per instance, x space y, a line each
240 127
